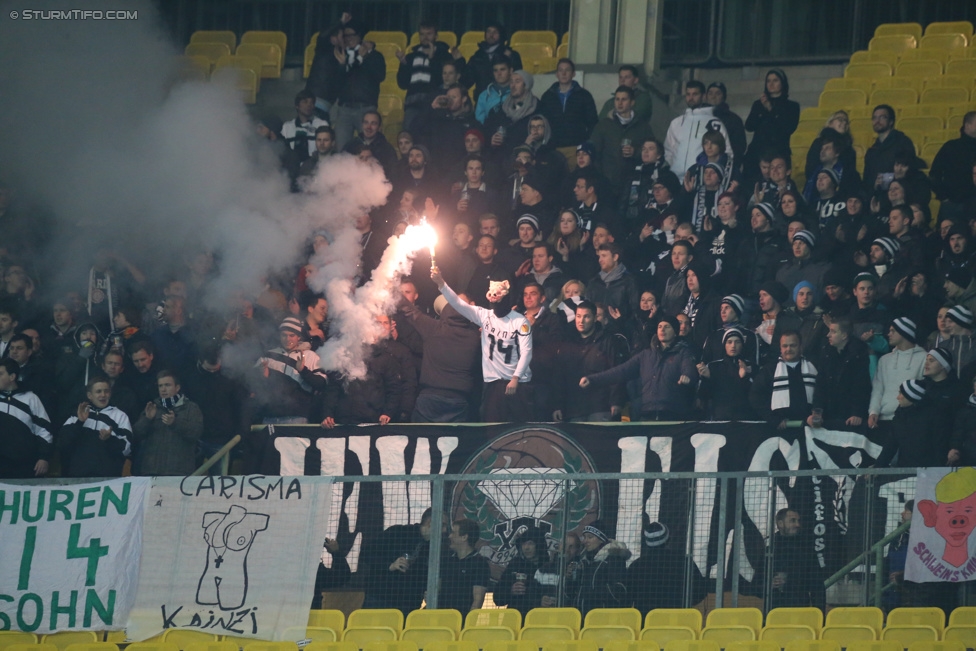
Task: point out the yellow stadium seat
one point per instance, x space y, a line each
803 137
629 617
606 633
913 29
965 633
396 38
472 38
923 125
334 619
631 645
530 51
554 617
212 51
842 99
571 645
445 37
961 67
182 638
812 645
522 37
545 634
318 645
692 645
394 645
443 617
889 83
565 38
876 56
879 645
215 36
847 632
856 616
389 50
482 635
314 39
964 53
468 50
859 112
16 637
245 80
955 27
389 617
846 83
923 69
786 633
233 61
895 43
812 113
65 638
944 41
945 95
930 54
868 70
686 617
664 634
508 617
424 635
152 646
753 645
32 647
963 81
894 96
386 104
946 645
812 617
314 633
541 66
269 54
751 617
362 635
93 646
929 616
221 645
562 52
907 634
963 616
262 645
511 645
444 645
308 59
726 634
278 38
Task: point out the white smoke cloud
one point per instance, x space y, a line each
96 129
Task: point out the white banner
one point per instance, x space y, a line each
230 555
941 546
69 555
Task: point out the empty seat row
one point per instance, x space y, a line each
229 39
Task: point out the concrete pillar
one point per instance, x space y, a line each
612 32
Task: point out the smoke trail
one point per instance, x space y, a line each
96 129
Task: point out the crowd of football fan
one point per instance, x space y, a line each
683 279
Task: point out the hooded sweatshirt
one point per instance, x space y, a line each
684 140
772 129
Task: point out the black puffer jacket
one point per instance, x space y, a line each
602 580
365 400
571 124
579 357
452 350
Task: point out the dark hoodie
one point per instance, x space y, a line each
452 351
772 129
74 371
572 115
477 72
420 75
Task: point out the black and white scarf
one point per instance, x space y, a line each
781 383
172 403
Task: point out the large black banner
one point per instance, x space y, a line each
505 504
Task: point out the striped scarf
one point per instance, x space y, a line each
781 383
172 403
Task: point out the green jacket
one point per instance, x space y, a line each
606 137
642 105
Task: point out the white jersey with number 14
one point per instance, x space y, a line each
506 342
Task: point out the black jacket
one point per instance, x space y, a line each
222 400
724 393
420 75
951 173
452 350
735 128
395 589
760 395
915 439
964 434
880 157
602 581
843 383
85 454
573 122
795 558
771 129
365 400
578 357
359 84
534 590
477 72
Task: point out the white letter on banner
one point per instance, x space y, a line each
661 446
707 448
291 449
396 509
332 463
631 493
419 491
755 500
446 445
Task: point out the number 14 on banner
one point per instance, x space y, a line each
93 552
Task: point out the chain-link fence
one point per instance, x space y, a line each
659 540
